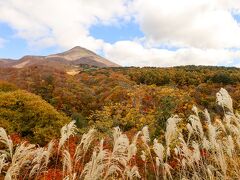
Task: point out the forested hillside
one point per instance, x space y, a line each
108 97
127 123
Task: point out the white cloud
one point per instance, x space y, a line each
132 53
189 23
60 22
203 30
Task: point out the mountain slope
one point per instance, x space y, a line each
79 55
6 62
70 60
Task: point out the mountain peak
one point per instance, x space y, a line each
77 48
80 55
74 54
65 60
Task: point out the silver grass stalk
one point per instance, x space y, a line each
195 110
119 155
232 126
206 144
67 164
210 171
159 150
196 156
171 129
42 156
157 162
212 134
48 152
195 176
132 172
83 146
237 116
38 158
22 157
238 141
94 169
67 131
230 146
132 148
167 171
146 139
8 177
176 150
143 157
73 177
135 138
185 152
220 125
207 116
196 125
220 159
224 99
145 135
190 131
236 120
157 166
34 170
6 140
121 145
3 162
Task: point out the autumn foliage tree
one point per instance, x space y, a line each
30 116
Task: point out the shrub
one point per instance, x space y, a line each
29 115
222 78
5 86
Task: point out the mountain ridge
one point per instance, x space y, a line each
69 60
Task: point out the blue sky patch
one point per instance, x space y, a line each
15 47
112 34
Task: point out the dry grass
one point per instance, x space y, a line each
203 149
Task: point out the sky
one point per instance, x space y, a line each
128 32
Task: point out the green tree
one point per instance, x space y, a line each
222 78
29 115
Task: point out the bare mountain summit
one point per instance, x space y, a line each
69 61
79 55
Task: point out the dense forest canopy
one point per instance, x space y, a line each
108 97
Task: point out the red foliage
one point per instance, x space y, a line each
16 138
72 144
173 163
107 143
204 153
55 174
